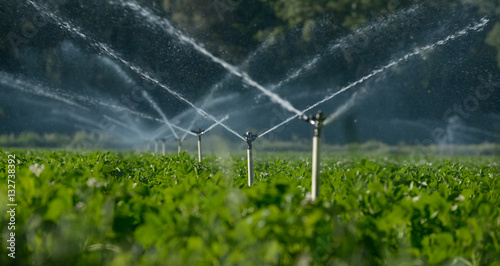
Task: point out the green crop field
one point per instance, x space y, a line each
138 209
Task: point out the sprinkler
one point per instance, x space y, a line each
249 138
163 146
179 146
147 146
199 132
317 122
156 146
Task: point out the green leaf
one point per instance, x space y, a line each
108 169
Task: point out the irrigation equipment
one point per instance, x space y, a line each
249 138
163 146
179 146
199 132
317 122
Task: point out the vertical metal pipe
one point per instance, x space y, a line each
316 181
147 146
156 146
317 122
179 147
163 147
249 138
199 149
250 166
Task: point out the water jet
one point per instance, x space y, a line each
475 27
107 50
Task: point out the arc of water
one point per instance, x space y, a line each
160 112
19 84
123 125
164 24
341 43
118 107
79 118
138 114
478 26
215 124
226 77
128 110
479 131
23 83
305 67
249 59
113 54
45 92
117 69
342 109
186 131
16 83
160 131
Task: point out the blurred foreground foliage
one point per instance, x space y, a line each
125 209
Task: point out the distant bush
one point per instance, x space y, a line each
47 140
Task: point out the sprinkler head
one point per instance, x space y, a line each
305 117
198 132
249 138
316 120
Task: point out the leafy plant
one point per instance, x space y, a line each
123 209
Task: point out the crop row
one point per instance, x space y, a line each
124 209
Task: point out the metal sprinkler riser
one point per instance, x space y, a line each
249 138
179 146
199 132
156 146
317 122
163 146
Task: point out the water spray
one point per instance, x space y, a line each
105 49
476 27
167 27
249 138
317 122
199 132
